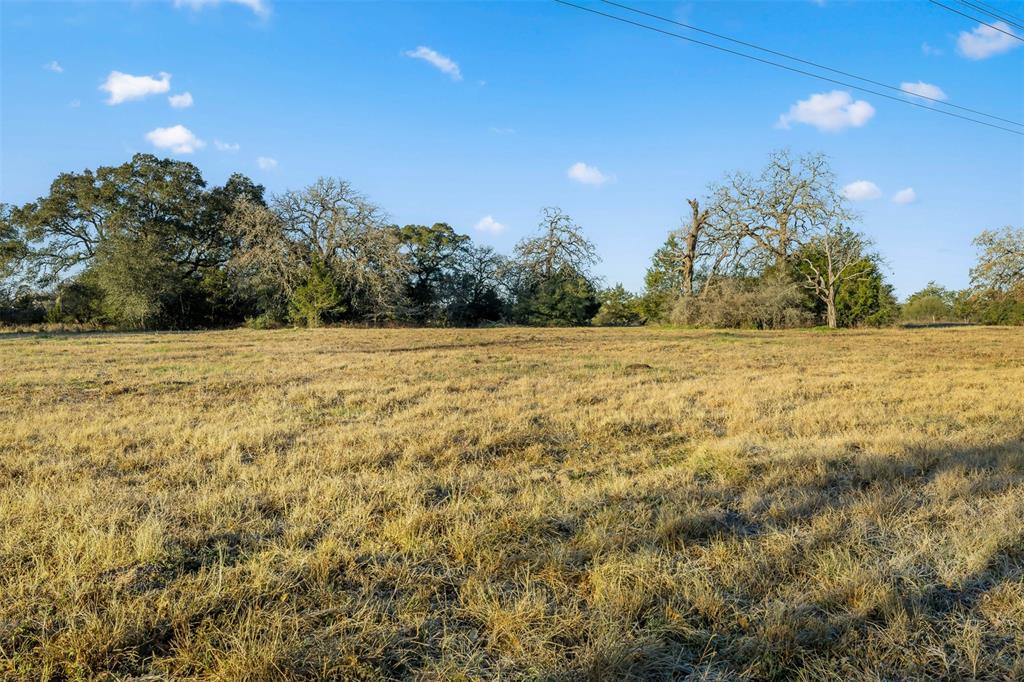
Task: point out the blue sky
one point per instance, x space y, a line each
460 111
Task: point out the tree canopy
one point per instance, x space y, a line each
149 244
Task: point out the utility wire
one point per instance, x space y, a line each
787 68
996 9
983 23
809 63
991 14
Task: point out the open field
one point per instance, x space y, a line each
513 503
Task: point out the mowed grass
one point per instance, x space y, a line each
513 504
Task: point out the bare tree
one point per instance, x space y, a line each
835 255
264 256
768 215
329 223
1000 267
693 255
560 245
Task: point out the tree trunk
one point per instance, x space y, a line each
692 237
833 318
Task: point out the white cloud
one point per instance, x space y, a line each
54 66
930 51
829 111
178 139
488 224
985 41
266 163
861 190
226 146
923 89
182 101
905 196
123 87
588 175
442 63
260 8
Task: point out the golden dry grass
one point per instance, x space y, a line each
513 503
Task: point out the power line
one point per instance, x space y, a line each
979 2
991 14
983 23
810 63
787 68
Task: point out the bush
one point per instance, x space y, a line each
78 302
773 303
264 321
23 308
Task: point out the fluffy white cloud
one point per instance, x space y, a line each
905 196
861 190
182 101
829 111
488 224
178 139
54 66
588 175
438 60
260 8
923 89
266 163
123 87
226 146
983 41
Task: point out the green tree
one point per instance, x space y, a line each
550 278
831 261
858 291
138 288
619 308
435 255
933 303
1000 266
997 279
868 299
564 299
157 207
316 299
474 295
663 281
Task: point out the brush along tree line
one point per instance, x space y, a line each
148 244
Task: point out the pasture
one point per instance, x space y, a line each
513 503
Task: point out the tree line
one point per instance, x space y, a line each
149 245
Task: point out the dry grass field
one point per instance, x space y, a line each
513 504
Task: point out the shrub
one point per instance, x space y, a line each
773 303
264 321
